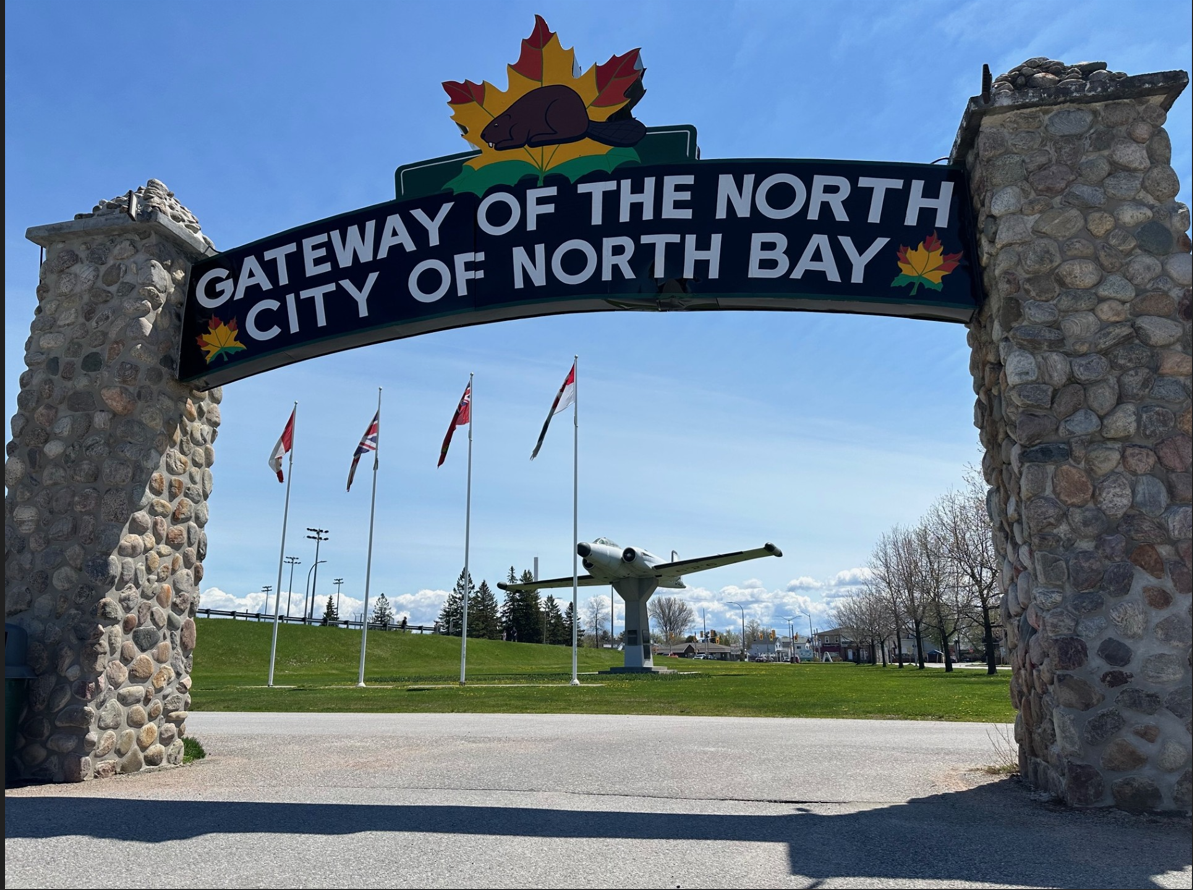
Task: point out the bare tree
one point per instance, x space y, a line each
966 536
909 591
866 616
597 613
672 616
887 580
938 584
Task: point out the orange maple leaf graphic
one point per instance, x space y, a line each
925 265
220 339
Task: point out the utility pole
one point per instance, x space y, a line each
318 538
743 627
266 588
291 561
339 582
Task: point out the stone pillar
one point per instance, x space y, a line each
1081 364
107 478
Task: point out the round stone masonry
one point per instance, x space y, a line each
1081 368
107 475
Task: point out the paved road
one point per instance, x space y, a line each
464 800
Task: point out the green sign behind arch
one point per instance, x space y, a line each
570 205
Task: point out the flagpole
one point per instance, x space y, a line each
467 532
277 599
575 511
364 624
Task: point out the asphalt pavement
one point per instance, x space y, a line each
494 800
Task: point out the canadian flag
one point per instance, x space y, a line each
565 397
285 443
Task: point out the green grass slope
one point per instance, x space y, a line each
317 668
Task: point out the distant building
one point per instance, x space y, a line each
691 650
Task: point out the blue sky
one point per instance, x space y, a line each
698 433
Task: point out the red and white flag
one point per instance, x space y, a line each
368 442
566 396
280 450
462 416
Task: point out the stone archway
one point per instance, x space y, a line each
1081 363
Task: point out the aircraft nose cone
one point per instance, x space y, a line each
583 549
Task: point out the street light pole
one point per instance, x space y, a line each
292 561
318 538
306 595
743 627
811 646
791 631
339 582
265 589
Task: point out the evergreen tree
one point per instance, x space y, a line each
506 615
567 628
557 633
484 621
451 617
383 612
330 613
526 618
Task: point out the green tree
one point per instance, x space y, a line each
557 632
383 612
526 618
506 614
330 612
483 617
451 616
568 618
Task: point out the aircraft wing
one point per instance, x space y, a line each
584 581
703 563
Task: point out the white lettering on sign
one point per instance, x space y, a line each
482 214
445 279
880 187
222 286
918 202
315 284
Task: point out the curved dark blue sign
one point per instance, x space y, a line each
837 236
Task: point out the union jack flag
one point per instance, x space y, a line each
368 442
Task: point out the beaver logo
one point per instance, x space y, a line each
553 118
556 115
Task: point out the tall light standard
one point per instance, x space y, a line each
743 627
339 582
811 646
790 630
291 561
265 588
307 594
318 538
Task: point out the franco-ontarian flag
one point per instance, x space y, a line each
462 417
282 448
565 397
368 442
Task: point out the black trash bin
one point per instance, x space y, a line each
17 675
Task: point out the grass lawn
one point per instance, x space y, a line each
317 667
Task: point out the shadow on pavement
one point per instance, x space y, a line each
994 833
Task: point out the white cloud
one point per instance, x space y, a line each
803 583
851 577
420 608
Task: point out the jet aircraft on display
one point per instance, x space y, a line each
635 574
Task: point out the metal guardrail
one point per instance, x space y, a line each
314 622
